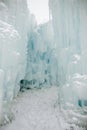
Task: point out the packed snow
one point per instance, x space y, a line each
37 109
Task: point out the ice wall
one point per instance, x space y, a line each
41 62
70 29
14 26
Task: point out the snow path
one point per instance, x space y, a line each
34 110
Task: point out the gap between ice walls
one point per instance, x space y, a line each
41 59
45 55
27 54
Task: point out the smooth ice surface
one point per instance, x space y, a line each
70 29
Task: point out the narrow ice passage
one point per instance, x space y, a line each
35 57
36 110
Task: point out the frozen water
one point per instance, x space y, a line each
44 56
41 61
14 27
69 22
9 60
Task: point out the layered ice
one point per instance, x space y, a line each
70 28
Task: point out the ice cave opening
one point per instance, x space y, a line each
50 54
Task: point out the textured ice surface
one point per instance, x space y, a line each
70 29
44 61
14 26
41 60
9 60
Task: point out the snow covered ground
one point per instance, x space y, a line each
35 109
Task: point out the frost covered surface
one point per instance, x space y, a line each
13 43
70 29
38 110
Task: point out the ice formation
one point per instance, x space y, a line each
41 61
27 53
50 54
70 28
14 27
